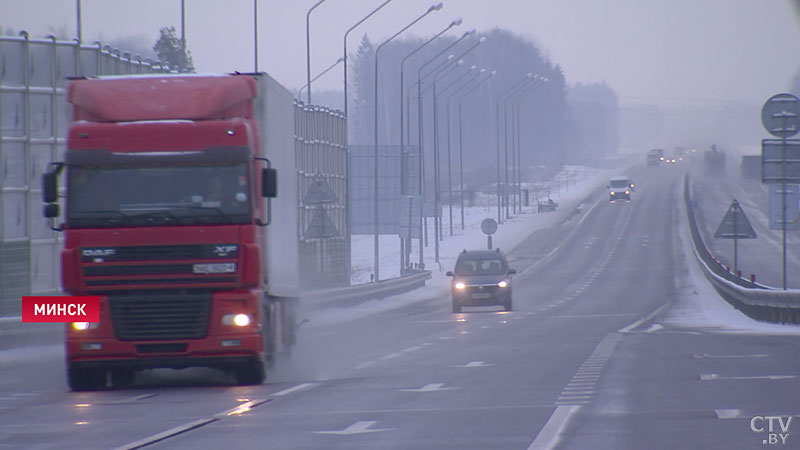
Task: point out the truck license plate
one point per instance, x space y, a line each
214 268
481 295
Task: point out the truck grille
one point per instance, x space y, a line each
163 316
115 268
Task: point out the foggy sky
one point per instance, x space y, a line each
662 52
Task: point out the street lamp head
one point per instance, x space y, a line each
450 56
530 74
482 39
436 7
469 33
493 73
473 67
456 22
483 70
460 62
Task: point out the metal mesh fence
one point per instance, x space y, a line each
321 156
33 126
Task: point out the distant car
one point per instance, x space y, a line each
659 153
481 278
653 160
619 188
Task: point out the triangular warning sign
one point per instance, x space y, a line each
735 224
319 192
321 226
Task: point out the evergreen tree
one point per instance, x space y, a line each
172 50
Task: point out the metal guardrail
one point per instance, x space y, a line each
347 296
755 300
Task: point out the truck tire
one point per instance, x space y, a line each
122 378
456 307
250 373
84 379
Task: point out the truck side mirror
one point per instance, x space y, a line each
269 182
49 188
449 273
51 210
512 271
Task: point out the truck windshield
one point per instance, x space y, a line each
107 196
620 184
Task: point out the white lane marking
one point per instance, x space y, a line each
411 349
357 428
364 365
581 384
728 413
485 326
166 434
241 409
128 400
568 393
587 213
391 356
294 389
703 356
643 319
550 434
590 316
433 387
654 327
475 364
716 376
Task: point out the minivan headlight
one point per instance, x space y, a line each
460 285
502 284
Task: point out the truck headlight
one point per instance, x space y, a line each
460 285
502 284
83 326
239 320
628 192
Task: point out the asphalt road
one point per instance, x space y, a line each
584 361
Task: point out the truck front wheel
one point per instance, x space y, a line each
85 379
250 373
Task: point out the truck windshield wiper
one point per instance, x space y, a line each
157 217
219 213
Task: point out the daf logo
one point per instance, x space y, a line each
223 250
98 252
480 288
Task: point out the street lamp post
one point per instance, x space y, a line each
469 90
423 220
308 47
530 89
433 8
447 127
300 92
345 49
516 85
405 244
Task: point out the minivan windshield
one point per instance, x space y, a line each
619 184
483 266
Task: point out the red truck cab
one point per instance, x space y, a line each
163 221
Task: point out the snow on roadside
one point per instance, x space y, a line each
512 232
700 307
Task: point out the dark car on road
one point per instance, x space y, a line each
481 278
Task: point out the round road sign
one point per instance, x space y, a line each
488 226
781 115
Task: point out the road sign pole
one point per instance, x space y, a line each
783 195
735 247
